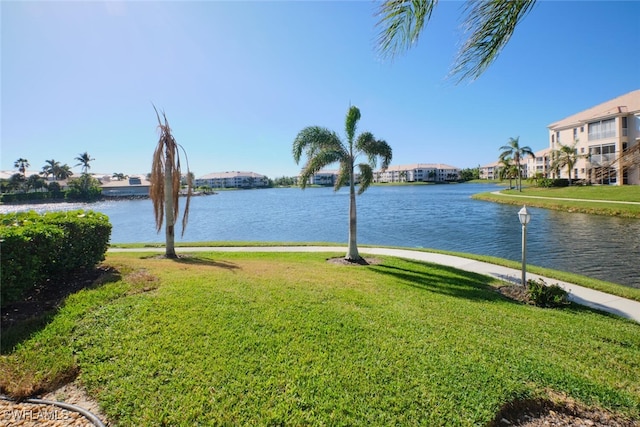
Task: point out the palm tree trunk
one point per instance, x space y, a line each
352 250
168 211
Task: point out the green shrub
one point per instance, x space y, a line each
36 246
543 295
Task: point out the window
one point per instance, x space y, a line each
553 138
582 150
602 129
624 126
558 136
575 133
581 129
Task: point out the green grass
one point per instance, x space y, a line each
627 193
287 338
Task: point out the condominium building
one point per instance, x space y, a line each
607 141
490 171
233 179
540 165
418 172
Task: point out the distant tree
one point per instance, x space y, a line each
469 174
34 182
507 169
118 176
165 184
64 172
84 160
517 154
432 175
489 23
566 155
16 182
85 188
50 169
22 165
323 147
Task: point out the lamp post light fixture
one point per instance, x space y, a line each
524 216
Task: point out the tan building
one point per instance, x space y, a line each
490 171
540 165
607 139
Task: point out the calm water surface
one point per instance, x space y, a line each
435 216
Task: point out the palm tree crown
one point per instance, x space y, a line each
324 147
22 164
52 168
517 153
566 155
490 25
84 159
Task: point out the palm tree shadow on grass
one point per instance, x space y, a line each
457 283
195 260
21 319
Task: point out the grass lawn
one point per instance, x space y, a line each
287 338
627 193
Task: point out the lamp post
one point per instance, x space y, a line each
524 216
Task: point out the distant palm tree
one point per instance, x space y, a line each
64 172
323 147
566 155
490 25
507 169
22 165
84 159
165 185
517 153
51 167
119 176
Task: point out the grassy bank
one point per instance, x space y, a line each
287 338
550 198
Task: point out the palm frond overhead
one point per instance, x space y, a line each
400 24
490 25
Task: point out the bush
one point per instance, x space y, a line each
36 246
549 182
543 295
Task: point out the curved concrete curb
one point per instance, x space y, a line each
580 295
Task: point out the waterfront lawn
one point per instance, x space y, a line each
551 199
288 338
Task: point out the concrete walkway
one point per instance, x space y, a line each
588 297
524 196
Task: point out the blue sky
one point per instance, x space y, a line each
239 80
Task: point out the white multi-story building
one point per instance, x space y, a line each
540 165
233 179
607 140
418 172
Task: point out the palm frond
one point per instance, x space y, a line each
351 123
400 24
490 24
374 149
318 161
344 176
312 139
366 177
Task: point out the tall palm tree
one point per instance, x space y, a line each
517 153
490 25
165 184
22 165
323 147
84 159
566 155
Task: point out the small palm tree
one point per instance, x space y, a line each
506 169
64 172
119 176
22 165
324 147
517 153
84 159
566 155
490 25
165 184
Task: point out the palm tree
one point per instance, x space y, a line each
517 153
22 165
84 159
507 169
567 156
323 147
51 167
119 176
64 172
165 184
490 25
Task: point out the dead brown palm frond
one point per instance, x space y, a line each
165 177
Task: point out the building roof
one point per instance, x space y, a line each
132 181
491 165
625 104
231 174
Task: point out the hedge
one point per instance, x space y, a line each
37 246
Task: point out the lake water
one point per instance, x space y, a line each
428 216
